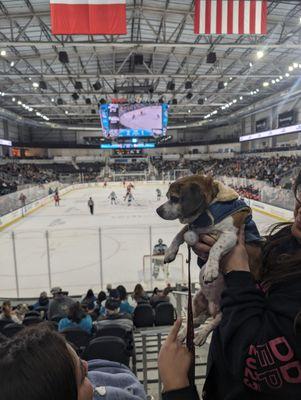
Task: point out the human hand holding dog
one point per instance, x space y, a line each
237 259
174 361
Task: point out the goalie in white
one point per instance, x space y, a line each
158 263
113 198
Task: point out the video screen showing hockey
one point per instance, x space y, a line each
134 120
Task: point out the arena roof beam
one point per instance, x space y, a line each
148 45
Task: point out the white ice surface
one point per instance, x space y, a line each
74 248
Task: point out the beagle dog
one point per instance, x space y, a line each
207 206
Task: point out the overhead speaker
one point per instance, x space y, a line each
60 101
43 85
220 85
174 101
138 59
211 57
115 90
188 85
93 111
97 85
78 85
200 101
151 89
63 57
170 85
88 101
75 96
189 96
102 101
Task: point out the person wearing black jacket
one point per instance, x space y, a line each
254 352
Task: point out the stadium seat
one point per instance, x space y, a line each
77 337
11 330
3 323
107 348
32 321
143 316
122 329
32 314
165 314
56 318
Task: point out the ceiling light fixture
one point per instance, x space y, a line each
12 64
277 80
35 85
13 99
240 98
273 81
259 54
265 84
290 68
295 65
250 64
280 77
3 53
287 74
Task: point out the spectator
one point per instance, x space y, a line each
43 301
8 314
60 304
159 297
125 306
112 311
254 351
38 364
139 294
89 300
77 318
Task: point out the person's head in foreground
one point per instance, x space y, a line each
38 364
282 251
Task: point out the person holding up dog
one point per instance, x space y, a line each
255 352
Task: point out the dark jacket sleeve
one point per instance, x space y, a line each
188 393
257 334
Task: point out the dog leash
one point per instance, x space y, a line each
190 328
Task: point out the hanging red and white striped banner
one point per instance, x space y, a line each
88 17
241 17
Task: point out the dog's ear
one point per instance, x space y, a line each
192 199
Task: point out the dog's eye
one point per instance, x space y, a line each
174 199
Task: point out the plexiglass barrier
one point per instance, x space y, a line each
80 259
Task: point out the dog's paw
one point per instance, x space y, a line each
201 336
191 238
211 271
170 255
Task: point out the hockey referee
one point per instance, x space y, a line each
91 205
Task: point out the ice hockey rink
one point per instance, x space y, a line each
66 246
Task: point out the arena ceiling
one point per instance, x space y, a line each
163 32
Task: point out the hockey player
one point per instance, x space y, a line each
56 200
113 198
130 198
159 194
105 184
159 250
129 188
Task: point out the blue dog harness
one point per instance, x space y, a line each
220 210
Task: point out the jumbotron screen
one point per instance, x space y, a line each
133 120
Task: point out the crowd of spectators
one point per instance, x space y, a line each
248 192
12 175
115 303
270 170
138 166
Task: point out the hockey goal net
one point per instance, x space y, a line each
156 272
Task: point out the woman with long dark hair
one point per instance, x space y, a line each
255 351
77 318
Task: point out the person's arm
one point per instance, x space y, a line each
175 379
